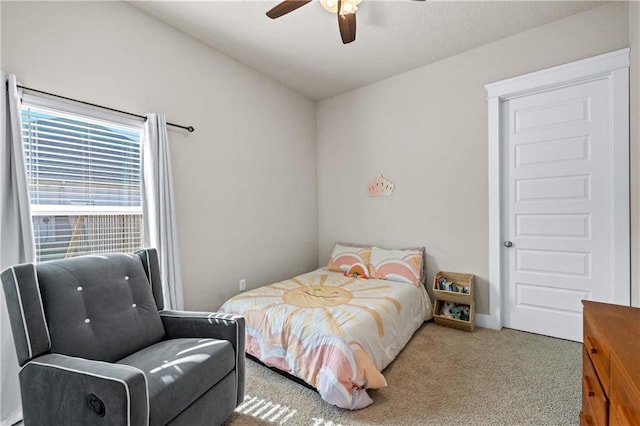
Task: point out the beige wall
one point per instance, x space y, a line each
426 130
245 181
634 44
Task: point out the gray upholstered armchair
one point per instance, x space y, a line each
97 348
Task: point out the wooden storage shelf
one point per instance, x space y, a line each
441 296
452 322
466 280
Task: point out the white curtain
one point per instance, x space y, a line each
16 236
160 227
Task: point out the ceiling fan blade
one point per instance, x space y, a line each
347 24
285 7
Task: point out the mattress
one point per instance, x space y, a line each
336 333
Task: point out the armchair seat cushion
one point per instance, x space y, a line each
179 371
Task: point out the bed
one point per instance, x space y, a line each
334 329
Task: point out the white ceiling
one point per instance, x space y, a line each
303 49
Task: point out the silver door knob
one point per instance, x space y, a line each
508 244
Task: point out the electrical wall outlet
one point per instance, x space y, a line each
242 285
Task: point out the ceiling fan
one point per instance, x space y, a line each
344 9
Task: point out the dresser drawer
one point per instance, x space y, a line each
595 405
598 352
586 415
625 398
587 418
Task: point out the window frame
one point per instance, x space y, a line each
94 115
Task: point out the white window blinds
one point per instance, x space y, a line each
84 183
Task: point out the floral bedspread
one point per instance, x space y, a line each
336 333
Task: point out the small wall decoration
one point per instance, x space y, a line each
380 187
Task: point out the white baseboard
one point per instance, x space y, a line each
485 321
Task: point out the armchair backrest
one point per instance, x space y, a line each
99 307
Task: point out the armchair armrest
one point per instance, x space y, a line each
180 324
59 389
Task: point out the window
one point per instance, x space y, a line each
84 183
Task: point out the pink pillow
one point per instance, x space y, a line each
396 265
352 261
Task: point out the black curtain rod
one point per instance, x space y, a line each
190 129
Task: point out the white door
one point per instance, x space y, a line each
558 189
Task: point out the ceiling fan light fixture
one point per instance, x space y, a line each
330 5
348 6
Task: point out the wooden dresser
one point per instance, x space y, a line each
610 365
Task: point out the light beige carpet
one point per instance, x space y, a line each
442 377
